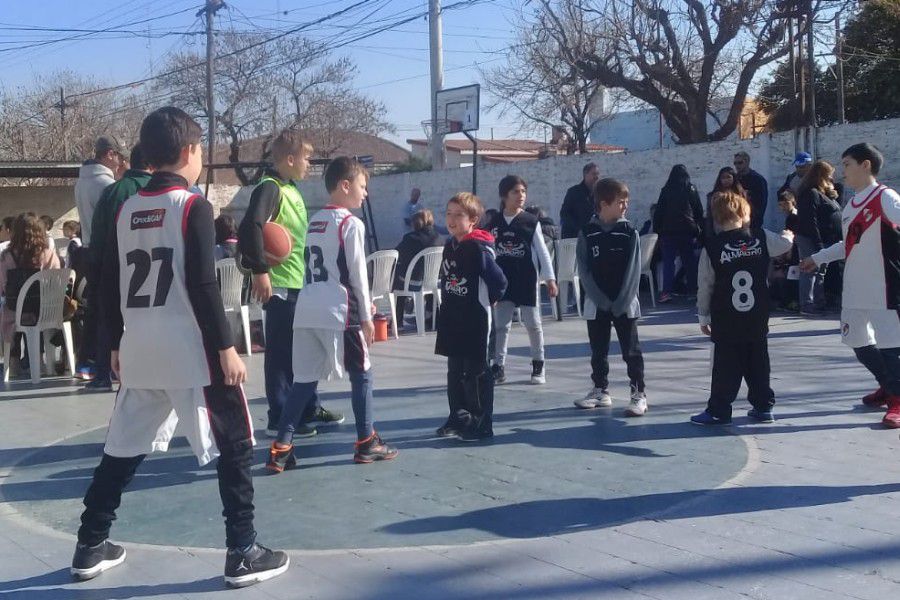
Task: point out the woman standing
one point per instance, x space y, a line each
678 220
726 181
525 261
818 222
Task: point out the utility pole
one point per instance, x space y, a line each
795 104
212 6
61 105
811 58
804 79
437 80
839 59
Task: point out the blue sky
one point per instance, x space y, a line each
393 65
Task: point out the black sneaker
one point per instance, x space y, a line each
499 374
281 459
323 416
373 449
449 429
101 384
255 565
476 433
90 561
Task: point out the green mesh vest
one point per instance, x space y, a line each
292 216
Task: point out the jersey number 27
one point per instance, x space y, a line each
143 261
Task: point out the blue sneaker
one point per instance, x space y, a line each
84 372
761 416
705 418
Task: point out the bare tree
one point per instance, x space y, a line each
683 57
33 128
262 87
541 85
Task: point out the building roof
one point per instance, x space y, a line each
39 169
528 147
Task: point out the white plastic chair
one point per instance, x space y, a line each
566 272
648 245
381 265
431 271
231 282
52 285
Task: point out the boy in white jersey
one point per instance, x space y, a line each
871 295
172 349
333 319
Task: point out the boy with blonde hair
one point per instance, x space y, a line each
333 319
277 199
733 308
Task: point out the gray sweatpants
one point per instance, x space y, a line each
531 315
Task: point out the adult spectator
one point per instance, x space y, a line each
26 254
549 229
93 177
226 237
96 343
412 207
578 205
819 225
726 181
6 231
422 236
678 220
756 186
802 163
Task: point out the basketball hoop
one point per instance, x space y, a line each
441 127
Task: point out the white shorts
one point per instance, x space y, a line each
866 327
143 421
321 354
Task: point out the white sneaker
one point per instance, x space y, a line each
595 398
637 406
538 373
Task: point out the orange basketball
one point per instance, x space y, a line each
277 243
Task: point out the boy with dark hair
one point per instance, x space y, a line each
471 282
733 308
112 198
333 320
871 291
609 258
276 198
167 318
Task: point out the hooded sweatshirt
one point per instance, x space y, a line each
93 178
471 281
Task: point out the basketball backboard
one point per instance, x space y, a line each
457 109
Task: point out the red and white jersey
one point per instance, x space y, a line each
871 248
162 347
335 294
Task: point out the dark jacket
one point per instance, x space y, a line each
678 211
411 244
113 197
757 193
818 218
463 324
577 210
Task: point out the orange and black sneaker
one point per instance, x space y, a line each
876 399
281 459
373 449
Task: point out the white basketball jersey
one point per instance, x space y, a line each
328 299
162 347
870 246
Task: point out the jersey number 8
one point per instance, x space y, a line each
742 298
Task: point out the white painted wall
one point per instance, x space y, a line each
644 172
